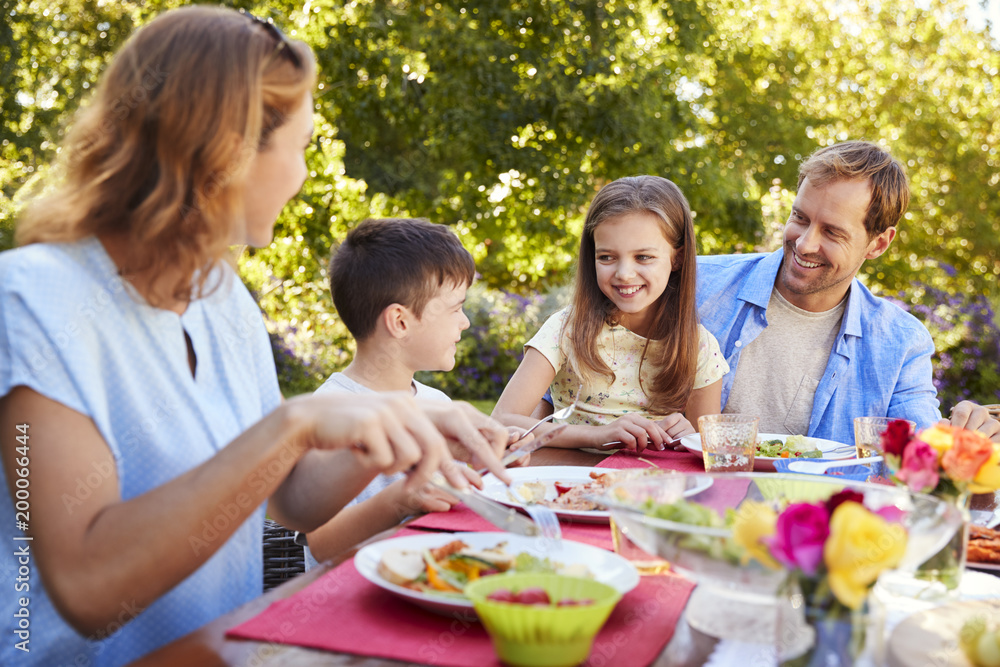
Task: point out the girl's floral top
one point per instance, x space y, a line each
621 350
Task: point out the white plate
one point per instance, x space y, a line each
692 443
986 567
496 490
606 566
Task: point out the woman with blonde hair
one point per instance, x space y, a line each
141 425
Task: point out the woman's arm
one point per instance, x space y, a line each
99 551
314 492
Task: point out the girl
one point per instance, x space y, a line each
140 417
631 340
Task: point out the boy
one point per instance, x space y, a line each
399 286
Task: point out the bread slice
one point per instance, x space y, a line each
401 567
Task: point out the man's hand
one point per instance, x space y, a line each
975 418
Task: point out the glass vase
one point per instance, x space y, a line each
942 572
814 629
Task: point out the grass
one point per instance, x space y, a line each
485 405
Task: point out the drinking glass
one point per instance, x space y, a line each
728 442
868 439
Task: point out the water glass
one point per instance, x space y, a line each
728 442
868 439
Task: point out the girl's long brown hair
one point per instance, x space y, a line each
159 154
675 321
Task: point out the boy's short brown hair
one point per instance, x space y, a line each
394 260
863 160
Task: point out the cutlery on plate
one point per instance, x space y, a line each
820 467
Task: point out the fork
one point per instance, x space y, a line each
546 519
561 413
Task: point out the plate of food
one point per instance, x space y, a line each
567 490
431 570
774 446
984 549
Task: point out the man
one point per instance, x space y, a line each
809 346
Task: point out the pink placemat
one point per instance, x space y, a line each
343 612
462 519
668 460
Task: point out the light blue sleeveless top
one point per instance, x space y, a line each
74 331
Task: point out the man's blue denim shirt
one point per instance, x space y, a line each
880 364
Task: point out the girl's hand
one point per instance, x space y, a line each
676 426
635 433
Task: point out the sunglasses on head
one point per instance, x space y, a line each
282 46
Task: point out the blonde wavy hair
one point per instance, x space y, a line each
160 152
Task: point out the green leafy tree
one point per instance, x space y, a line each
504 119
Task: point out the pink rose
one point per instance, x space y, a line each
895 437
799 536
920 467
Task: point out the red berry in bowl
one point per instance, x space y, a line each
533 596
502 595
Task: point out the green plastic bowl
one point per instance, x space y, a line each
543 636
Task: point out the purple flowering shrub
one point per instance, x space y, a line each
967 342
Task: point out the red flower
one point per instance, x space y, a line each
895 437
845 496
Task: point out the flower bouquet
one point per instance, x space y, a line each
949 463
818 545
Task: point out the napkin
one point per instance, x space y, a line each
858 473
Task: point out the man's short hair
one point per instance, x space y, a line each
394 260
863 160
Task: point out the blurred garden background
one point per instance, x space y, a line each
502 120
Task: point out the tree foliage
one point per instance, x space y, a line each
504 119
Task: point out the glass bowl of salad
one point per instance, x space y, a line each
696 533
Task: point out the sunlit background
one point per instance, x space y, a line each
503 119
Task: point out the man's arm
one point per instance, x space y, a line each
914 397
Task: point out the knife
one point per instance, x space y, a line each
503 517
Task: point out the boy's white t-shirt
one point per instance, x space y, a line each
338 382
621 350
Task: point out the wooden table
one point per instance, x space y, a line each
209 647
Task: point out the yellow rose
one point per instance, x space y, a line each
753 522
987 479
861 545
938 437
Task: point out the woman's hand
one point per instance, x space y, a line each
471 436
